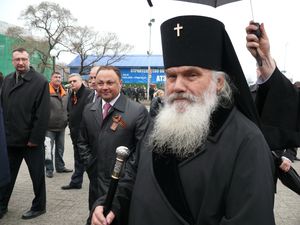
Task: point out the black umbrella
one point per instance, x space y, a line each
213 3
290 179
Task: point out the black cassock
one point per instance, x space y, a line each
278 106
229 181
277 102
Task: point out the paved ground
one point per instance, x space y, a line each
70 207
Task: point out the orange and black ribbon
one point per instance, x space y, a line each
74 99
117 120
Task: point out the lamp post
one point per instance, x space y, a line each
53 54
149 54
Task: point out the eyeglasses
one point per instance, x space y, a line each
20 59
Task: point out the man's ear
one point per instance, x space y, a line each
220 83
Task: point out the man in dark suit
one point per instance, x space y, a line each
25 101
4 166
122 123
1 80
276 98
79 97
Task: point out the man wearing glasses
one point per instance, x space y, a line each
25 101
79 97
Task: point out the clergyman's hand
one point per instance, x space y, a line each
98 217
260 47
285 165
262 44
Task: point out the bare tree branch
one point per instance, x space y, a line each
91 47
51 21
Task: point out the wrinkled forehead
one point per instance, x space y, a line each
187 70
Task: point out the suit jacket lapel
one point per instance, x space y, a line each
27 77
119 106
96 109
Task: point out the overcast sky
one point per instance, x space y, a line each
129 20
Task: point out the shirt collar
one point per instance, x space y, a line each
112 102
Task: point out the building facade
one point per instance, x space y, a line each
135 69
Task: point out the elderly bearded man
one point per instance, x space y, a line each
204 160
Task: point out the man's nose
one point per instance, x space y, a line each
179 85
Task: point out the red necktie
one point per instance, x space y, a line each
106 108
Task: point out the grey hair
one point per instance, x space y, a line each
75 75
225 95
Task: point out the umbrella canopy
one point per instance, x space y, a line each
213 3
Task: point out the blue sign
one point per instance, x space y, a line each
140 75
136 75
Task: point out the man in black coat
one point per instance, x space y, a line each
276 98
1 79
25 101
79 97
100 135
4 166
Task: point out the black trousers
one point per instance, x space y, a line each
93 187
34 158
77 176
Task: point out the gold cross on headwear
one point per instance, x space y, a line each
178 28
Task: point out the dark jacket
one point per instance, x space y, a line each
26 108
156 105
278 105
75 111
4 165
96 134
229 181
98 140
58 110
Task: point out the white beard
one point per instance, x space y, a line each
182 127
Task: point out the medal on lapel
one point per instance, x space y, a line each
117 120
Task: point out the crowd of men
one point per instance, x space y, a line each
202 157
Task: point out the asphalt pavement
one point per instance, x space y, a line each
69 207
